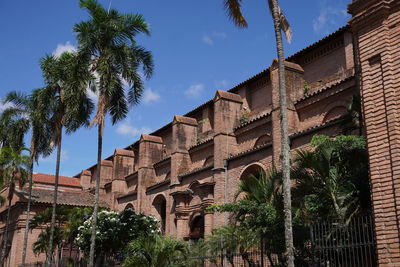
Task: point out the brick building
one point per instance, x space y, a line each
199 158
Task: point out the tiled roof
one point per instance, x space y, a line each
71 198
259 117
317 127
324 89
49 179
197 170
202 142
312 46
157 185
249 151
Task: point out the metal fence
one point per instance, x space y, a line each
337 244
248 259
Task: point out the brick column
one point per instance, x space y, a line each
376 30
85 178
184 134
123 161
150 151
294 89
208 223
105 175
227 111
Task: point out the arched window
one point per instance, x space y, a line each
130 206
209 160
160 204
197 228
254 169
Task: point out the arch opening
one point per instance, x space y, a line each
197 228
160 204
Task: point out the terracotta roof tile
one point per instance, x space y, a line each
72 198
49 179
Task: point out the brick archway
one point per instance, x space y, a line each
160 205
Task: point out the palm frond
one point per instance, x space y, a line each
233 9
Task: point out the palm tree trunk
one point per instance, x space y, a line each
28 207
5 241
97 192
285 149
49 260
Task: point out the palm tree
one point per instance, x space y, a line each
332 181
12 129
154 252
25 109
233 8
107 42
13 168
65 100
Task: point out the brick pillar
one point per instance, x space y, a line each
227 110
150 151
294 89
123 161
184 134
375 25
208 223
182 226
105 175
85 178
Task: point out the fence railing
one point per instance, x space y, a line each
248 259
337 244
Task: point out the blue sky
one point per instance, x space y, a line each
196 50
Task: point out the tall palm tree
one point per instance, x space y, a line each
107 42
25 108
13 168
233 8
66 101
12 129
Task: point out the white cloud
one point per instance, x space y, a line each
222 84
329 18
195 90
209 39
150 96
126 129
61 48
4 106
92 95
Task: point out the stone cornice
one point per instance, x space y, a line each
158 185
195 171
249 151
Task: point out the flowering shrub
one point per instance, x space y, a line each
115 230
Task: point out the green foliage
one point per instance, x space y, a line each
306 87
244 118
13 168
26 108
68 221
115 230
261 208
332 180
108 47
156 251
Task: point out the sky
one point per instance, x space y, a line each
196 48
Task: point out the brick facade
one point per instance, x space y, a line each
199 158
376 31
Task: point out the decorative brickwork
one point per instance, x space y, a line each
376 29
198 159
